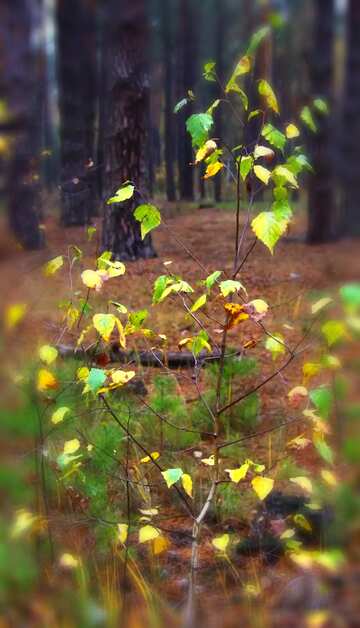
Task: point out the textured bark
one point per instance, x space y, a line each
169 134
76 73
185 80
351 126
321 192
18 88
127 105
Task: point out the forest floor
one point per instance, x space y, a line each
285 282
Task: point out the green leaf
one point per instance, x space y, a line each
334 331
242 67
96 379
199 125
229 286
149 217
282 210
257 38
269 96
324 450
159 286
137 319
274 136
350 295
213 106
209 72
322 399
104 325
211 279
200 302
171 476
282 174
234 87
48 354
59 415
122 194
246 163
268 227
180 105
321 106
308 119
200 342
175 287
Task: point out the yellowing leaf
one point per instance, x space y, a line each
154 456
302 522
187 483
82 373
120 377
303 482
262 486
46 380
267 92
334 331
14 315
48 354
319 305
263 151
275 344
92 279
171 476
285 173
269 228
148 533
59 415
238 474
123 529
200 302
122 194
292 131
69 561
149 512
209 147
160 545
229 286
209 461
262 173
104 325
299 442
221 542
260 307
71 446
53 266
213 169
310 369
329 477
24 522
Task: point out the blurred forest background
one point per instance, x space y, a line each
88 90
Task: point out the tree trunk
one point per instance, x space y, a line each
169 136
185 82
351 126
19 91
219 58
127 102
74 69
321 192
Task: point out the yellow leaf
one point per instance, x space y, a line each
149 512
292 131
160 545
319 305
260 306
24 522
329 477
299 442
46 381
262 486
263 151
200 302
213 169
71 446
82 373
59 415
302 522
120 377
68 561
122 338
104 325
317 619
262 173
303 482
267 92
123 532
209 461
238 474
187 484
48 354
209 147
221 542
237 314
148 533
14 315
297 394
92 279
53 266
154 456
72 316
310 369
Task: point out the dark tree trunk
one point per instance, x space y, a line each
185 79
169 135
321 192
75 70
219 57
19 91
127 104
351 126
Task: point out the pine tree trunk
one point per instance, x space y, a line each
168 95
321 192
75 112
127 102
351 126
219 57
18 89
185 81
